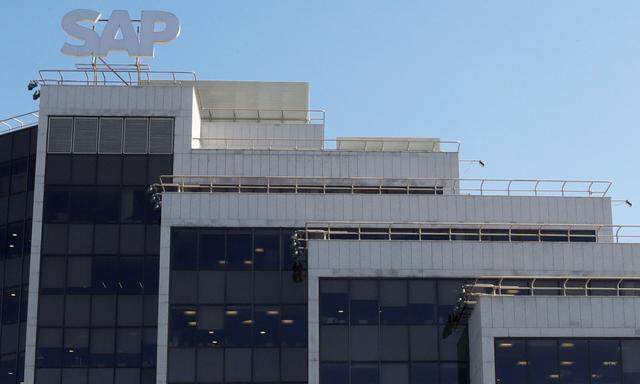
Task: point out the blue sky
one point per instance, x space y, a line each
544 89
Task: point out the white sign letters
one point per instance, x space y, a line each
135 44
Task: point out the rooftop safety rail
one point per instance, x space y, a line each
380 185
374 144
480 232
112 75
17 122
474 289
306 116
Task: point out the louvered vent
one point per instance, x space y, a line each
110 135
161 135
85 135
135 135
60 131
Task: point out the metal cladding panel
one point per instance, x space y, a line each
85 135
136 135
60 133
160 136
110 135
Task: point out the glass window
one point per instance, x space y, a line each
424 342
103 274
184 249
293 326
393 302
364 302
239 252
266 325
81 238
511 361
58 170
448 293
52 276
212 250
454 346
604 356
334 302
181 365
211 287
9 339
130 310
50 310
127 375
630 361
149 347
48 376
132 239
542 360
364 373
210 365
101 376
108 239
131 275
334 342
334 373
266 365
109 170
134 170
573 356
235 364
134 204
294 364
292 292
83 170
422 301
266 287
183 326
239 287
394 343
128 347
394 373
184 287
210 325
55 239
102 348
363 341
49 351
152 244
238 326
19 172
159 165
78 274
266 251
103 310
77 310
455 373
76 347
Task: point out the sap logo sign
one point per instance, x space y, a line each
119 21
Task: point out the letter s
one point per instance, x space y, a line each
148 34
72 28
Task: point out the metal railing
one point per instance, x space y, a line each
336 144
537 286
307 116
113 76
553 285
17 122
480 232
380 185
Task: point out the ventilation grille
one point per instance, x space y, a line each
85 135
110 135
60 129
161 136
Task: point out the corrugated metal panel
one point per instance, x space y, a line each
161 135
60 133
85 135
110 135
136 135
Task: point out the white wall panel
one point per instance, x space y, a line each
297 209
